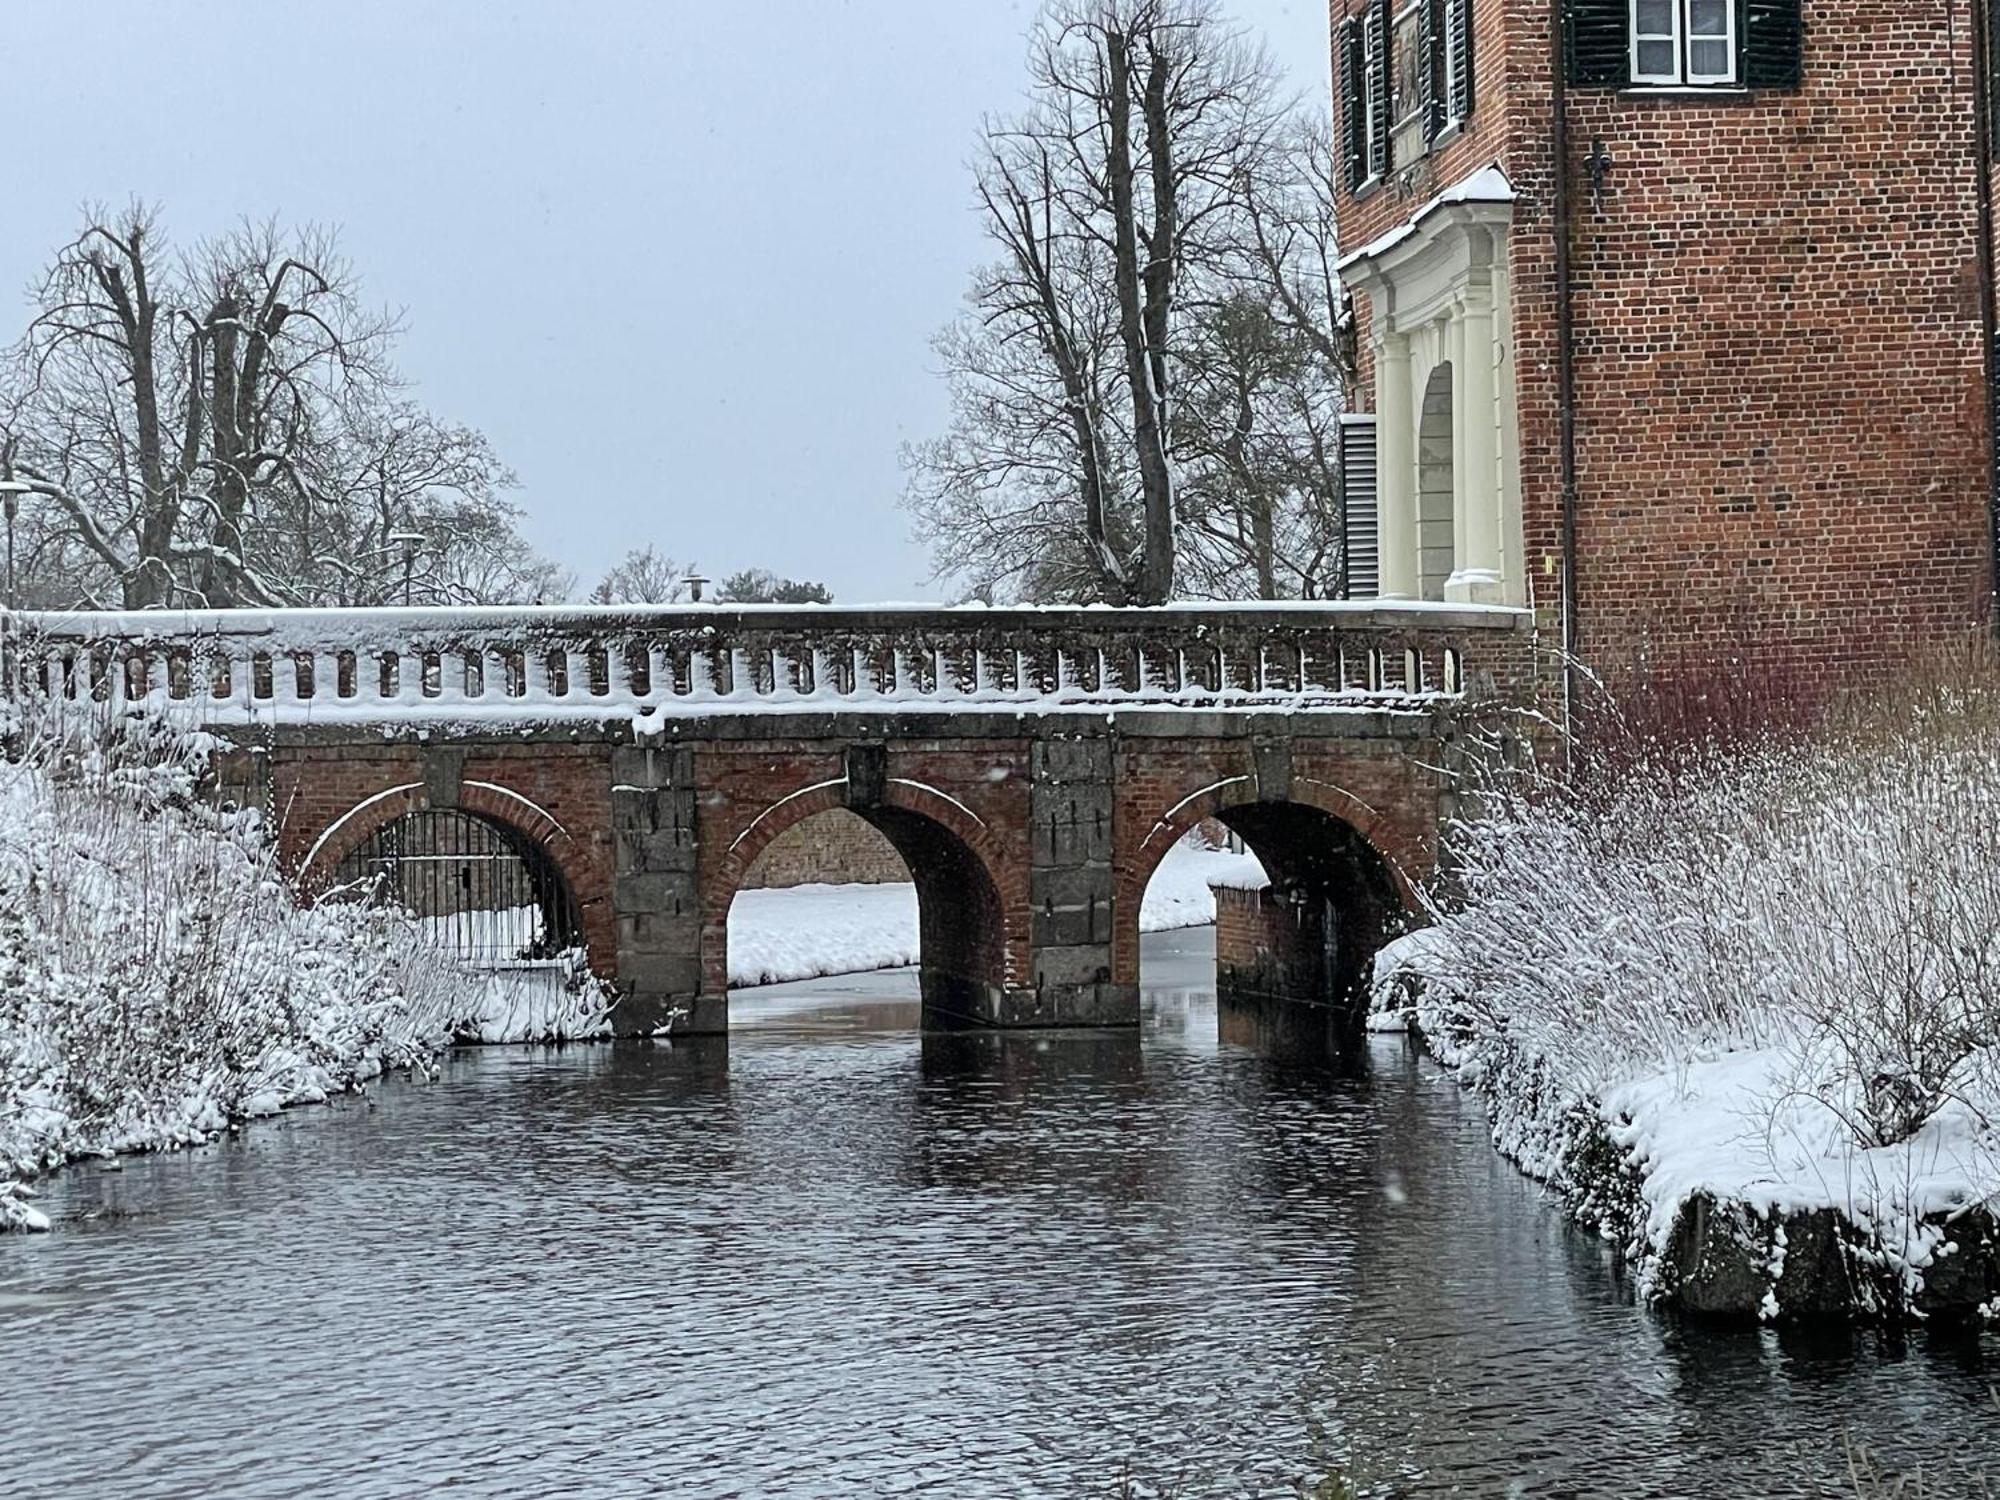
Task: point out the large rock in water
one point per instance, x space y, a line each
1718 1260
1964 1277
1726 1260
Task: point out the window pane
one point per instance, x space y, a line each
1708 59
1656 59
1656 17
1708 18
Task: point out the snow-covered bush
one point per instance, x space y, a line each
1883 911
1764 966
159 977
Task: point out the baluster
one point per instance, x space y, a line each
535 675
410 675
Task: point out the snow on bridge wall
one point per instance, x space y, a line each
1030 765
537 665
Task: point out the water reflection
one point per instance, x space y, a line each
830 1254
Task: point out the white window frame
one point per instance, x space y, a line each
1683 74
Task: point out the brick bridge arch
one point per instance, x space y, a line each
325 846
972 941
1356 861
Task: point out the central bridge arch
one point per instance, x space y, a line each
968 936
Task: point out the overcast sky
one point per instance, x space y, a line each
680 261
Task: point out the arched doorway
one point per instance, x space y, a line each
480 889
1436 542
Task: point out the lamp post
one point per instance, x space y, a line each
11 490
410 541
10 501
694 581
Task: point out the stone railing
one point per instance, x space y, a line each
554 663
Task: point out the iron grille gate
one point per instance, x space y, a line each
479 889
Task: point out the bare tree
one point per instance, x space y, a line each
1268 367
1259 445
644 576
224 427
1118 190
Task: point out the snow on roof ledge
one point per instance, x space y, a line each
1488 185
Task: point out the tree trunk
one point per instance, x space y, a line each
1136 311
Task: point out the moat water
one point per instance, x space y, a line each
833 1256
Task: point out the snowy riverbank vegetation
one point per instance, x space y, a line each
160 979
1735 993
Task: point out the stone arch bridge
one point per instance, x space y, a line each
1031 765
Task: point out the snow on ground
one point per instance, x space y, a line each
801 931
159 979
1179 895
804 931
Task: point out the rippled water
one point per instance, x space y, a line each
833 1257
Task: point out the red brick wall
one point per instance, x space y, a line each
835 848
1249 925
958 809
1781 435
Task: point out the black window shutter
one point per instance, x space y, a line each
1352 123
1600 43
1773 44
1458 65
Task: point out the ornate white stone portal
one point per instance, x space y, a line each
1442 339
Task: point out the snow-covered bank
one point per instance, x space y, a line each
159 979
802 932
1744 1015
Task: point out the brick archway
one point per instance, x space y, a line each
498 804
941 841
1372 828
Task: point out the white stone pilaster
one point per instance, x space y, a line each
1477 472
1395 464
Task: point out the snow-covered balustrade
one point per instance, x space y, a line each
556 663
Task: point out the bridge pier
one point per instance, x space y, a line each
1072 888
656 891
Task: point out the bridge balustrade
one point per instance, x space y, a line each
557 663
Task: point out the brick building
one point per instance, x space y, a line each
1730 365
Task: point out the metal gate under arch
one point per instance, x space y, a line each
481 890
